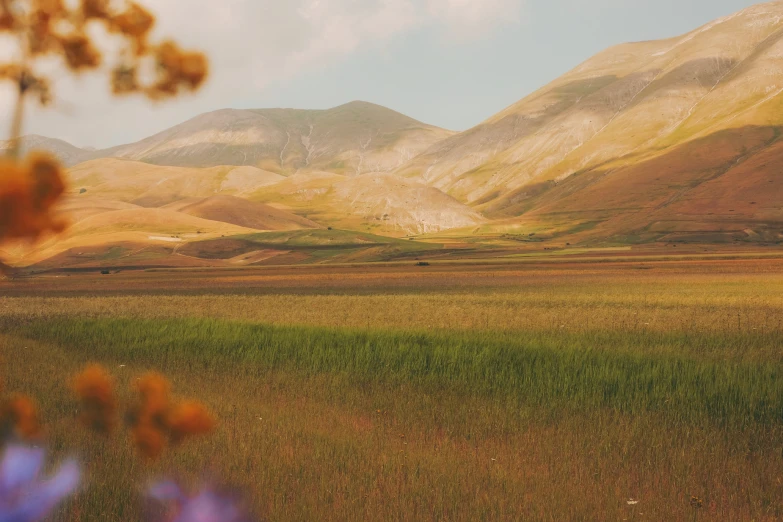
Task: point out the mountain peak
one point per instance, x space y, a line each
360 104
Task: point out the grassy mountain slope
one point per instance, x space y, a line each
627 105
723 187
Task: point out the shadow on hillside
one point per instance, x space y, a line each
723 187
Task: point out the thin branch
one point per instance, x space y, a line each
16 123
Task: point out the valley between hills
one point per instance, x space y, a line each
648 145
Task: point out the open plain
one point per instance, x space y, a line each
608 385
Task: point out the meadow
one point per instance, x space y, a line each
611 390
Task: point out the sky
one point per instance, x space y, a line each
451 63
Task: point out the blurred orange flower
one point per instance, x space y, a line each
28 193
155 421
95 389
148 440
51 27
177 70
19 416
79 52
189 418
7 20
95 9
135 22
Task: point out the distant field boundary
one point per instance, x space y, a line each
521 259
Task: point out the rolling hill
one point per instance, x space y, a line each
135 213
378 203
126 213
251 197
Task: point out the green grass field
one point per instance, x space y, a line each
567 395
628 373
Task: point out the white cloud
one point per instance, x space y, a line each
338 28
253 42
471 18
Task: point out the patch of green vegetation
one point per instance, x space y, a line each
571 252
114 252
322 255
632 371
321 245
146 256
328 238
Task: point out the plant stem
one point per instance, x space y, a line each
22 87
16 123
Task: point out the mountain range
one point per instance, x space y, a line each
352 139
660 141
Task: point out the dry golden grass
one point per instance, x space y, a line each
331 445
318 448
728 296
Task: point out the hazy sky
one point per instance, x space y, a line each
451 63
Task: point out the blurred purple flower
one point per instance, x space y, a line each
24 497
206 506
